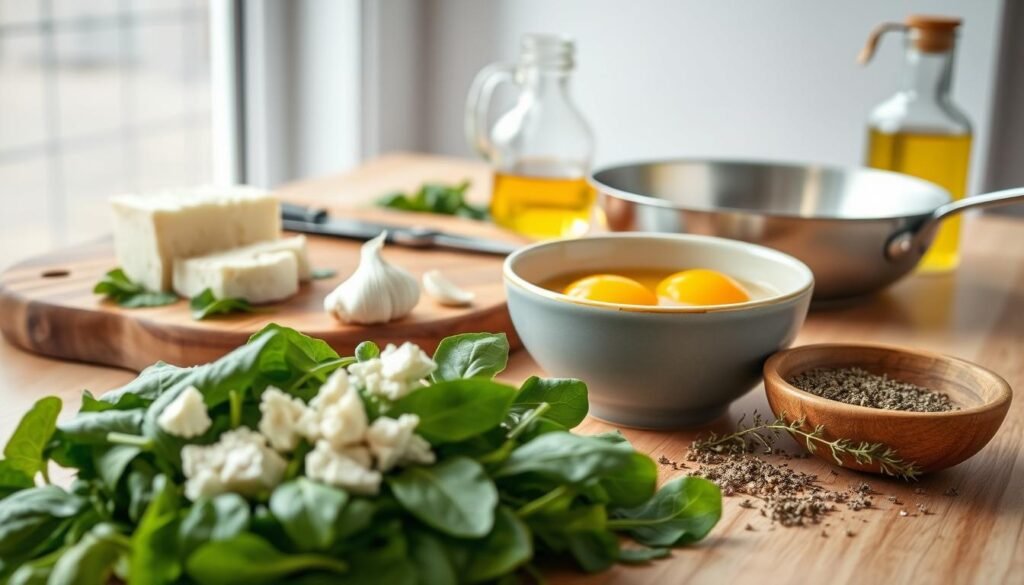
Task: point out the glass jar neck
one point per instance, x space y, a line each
543 80
928 75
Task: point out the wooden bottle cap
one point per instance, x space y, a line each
932 34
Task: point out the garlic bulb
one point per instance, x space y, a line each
445 291
377 292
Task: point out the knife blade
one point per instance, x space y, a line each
304 220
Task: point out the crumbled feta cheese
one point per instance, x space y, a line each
284 419
397 372
347 468
393 442
186 415
340 418
240 462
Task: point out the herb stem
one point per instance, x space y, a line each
328 366
531 507
44 470
235 404
116 438
525 422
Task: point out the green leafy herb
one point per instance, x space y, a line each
471 355
681 512
496 480
435 198
206 305
454 496
117 287
24 450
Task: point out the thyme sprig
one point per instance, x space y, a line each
763 432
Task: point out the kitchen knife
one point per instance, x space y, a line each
307 220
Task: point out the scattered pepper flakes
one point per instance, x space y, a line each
923 510
749 528
850 533
920 491
951 492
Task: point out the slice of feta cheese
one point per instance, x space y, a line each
152 230
186 415
263 278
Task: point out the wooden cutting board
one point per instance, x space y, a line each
47 305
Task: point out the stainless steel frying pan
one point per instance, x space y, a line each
859 230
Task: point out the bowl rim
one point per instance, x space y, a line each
512 278
770 370
651 201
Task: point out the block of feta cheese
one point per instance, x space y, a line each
265 277
152 230
193 275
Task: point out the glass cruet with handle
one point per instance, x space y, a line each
541 148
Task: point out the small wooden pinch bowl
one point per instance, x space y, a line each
931 440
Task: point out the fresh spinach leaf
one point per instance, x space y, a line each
566 457
355 517
93 427
566 398
91 560
247 558
367 351
140 392
205 305
154 544
634 484
580 530
454 497
12 479
37 571
221 517
505 548
117 287
433 564
636 555
683 511
308 511
457 409
471 355
24 450
29 517
435 198
112 462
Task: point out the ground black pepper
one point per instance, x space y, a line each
862 388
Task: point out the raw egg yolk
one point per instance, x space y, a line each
611 288
702 287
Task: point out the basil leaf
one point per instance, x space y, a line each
221 517
154 544
682 511
454 497
24 450
206 305
435 198
249 559
566 397
308 512
471 355
117 287
29 516
567 457
505 548
456 410
91 560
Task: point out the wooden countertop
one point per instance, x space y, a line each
976 313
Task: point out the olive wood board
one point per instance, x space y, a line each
47 305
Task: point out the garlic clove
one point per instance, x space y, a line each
444 291
377 292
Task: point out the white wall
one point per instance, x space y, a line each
768 79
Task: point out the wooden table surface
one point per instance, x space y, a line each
976 313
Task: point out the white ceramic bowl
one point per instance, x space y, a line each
656 367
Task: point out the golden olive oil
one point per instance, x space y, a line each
542 207
940 158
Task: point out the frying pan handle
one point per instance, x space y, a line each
907 241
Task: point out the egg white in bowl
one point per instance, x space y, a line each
656 366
